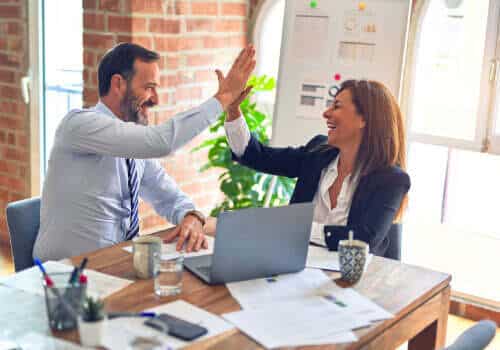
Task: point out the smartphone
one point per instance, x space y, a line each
176 327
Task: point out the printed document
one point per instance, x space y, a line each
169 249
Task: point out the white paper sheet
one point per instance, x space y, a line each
308 321
264 291
322 258
169 249
99 284
121 332
356 304
39 341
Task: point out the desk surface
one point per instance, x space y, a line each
418 297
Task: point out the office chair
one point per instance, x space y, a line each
394 249
23 219
476 337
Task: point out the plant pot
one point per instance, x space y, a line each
91 333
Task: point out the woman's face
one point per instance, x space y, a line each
345 125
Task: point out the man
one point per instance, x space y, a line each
101 161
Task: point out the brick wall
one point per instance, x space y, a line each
14 125
193 37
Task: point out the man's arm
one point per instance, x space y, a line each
161 191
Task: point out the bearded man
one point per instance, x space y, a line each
103 158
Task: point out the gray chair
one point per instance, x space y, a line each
23 219
394 249
476 337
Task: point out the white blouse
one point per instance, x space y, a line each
238 137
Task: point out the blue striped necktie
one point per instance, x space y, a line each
133 185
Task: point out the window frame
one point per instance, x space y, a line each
484 116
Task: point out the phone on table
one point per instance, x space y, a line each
176 327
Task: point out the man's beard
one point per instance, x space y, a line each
131 108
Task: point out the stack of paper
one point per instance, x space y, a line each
123 333
98 285
304 308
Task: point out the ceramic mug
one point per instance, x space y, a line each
146 250
352 259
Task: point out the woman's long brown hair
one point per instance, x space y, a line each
384 141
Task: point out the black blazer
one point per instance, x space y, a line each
375 201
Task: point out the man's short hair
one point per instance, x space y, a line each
120 60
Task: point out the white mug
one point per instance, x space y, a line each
145 250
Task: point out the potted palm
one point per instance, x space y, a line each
92 322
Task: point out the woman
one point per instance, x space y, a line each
355 176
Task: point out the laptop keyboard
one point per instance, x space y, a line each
204 270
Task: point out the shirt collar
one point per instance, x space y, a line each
101 107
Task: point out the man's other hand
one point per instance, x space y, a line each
190 233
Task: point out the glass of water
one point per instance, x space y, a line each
168 274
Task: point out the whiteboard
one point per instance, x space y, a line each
324 45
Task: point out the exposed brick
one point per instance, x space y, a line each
7 11
7 76
93 21
165 26
166 44
191 44
10 92
182 8
90 4
148 6
199 60
233 9
200 25
15 154
14 184
98 41
228 26
89 58
204 8
126 24
109 5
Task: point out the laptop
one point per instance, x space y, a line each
255 243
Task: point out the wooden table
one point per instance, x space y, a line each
419 298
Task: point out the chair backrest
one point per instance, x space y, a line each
23 219
475 338
394 249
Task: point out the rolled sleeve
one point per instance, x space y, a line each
238 135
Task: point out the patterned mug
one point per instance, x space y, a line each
352 258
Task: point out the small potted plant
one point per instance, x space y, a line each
92 322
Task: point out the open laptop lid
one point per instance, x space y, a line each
260 242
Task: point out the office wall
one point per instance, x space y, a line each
14 124
193 38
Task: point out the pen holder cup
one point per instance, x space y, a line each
63 301
352 259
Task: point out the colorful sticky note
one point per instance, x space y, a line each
361 5
313 4
337 77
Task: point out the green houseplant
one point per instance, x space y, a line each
244 187
91 323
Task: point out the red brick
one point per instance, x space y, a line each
16 44
90 4
229 26
16 154
230 9
191 43
215 42
169 62
9 60
142 40
166 44
205 75
89 58
12 123
237 41
109 5
93 21
204 8
199 60
14 184
181 8
188 93
23 141
165 26
200 25
148 6
7 76
10 11
90 97
98 41
11 139
125 24
10 92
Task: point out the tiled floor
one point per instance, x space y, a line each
456 325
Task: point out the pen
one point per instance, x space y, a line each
131 314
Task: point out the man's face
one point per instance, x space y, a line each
141 92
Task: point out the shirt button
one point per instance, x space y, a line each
328 234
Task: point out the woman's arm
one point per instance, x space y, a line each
376 221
